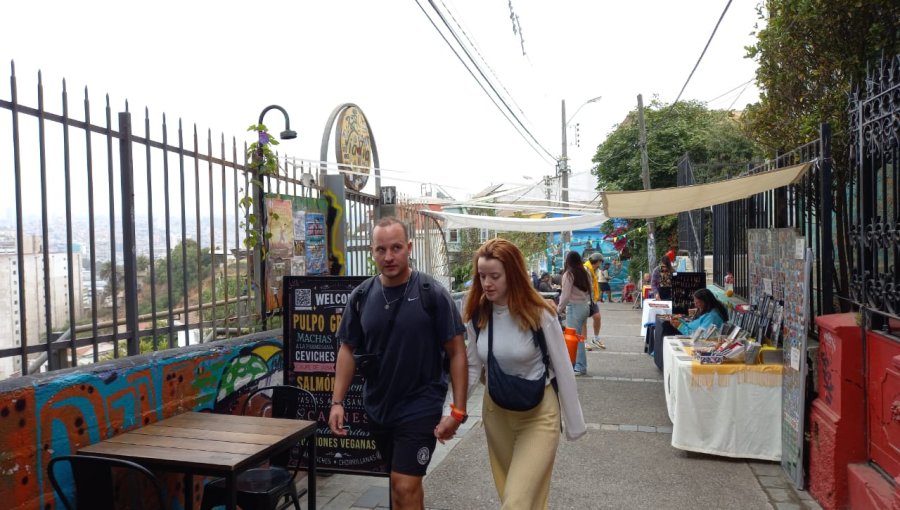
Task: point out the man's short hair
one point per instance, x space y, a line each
595 257
387 221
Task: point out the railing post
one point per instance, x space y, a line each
129 248
827 208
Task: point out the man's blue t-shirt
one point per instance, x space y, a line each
412 382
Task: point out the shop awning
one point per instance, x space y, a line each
504 224
661 202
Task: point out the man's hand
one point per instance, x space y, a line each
446 429
336 421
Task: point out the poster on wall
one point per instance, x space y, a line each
773 265
286 221
314 306
280 223
316 249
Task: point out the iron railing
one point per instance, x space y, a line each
155 229
874 201
802 206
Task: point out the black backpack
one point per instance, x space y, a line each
427 299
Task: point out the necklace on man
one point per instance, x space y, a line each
387 304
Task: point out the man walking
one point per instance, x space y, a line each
591 265
404 325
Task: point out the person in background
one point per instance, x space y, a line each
404 400
591 266
661 280
603 282
521 444
544 284
575 302
710 311
534 279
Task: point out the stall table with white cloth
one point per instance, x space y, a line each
732 409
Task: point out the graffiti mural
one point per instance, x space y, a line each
41 417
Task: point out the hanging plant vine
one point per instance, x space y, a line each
263 163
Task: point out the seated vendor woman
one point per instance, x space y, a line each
709 312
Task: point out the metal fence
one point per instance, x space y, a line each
690 223
119 233
802 206
874 201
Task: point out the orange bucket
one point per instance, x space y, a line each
572 338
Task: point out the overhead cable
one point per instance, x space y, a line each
517 123
703 53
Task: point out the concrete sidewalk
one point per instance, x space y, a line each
624 461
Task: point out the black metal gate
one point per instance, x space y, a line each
874 203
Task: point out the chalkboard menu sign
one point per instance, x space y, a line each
780 263
313 310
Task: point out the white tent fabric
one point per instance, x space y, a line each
661 202
503 224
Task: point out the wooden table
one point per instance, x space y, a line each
212 445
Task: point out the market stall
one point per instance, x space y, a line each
728 409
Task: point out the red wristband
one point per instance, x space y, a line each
458 414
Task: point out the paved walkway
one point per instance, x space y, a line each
624 461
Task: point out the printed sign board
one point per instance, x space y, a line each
314 306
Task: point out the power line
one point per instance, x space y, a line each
517 124
731 90
478 52
703 53
738 96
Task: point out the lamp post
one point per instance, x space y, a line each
563 165
287 134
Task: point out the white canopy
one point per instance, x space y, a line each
661 202
504 224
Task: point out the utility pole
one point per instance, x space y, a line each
564 169
645 175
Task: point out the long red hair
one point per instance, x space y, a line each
525 304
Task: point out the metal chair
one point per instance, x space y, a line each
263 488
133 487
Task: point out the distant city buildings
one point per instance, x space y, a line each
37 305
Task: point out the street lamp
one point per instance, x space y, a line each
287 134
563 165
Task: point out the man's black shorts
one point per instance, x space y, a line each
408 446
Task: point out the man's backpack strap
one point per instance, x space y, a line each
359 295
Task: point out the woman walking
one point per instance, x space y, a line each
575 301
516 338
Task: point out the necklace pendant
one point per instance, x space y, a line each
387 306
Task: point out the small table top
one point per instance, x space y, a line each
204 443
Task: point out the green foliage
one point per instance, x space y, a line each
709 137
263 162
182 269
811 55
531 244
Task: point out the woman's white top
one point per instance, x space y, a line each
517 354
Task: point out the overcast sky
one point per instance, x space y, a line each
217 64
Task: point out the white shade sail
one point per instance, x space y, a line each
504 224
661 202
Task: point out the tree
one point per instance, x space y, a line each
811 55
714 140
